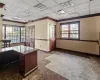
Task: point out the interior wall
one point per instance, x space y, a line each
41 33
89 30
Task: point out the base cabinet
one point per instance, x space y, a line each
28 63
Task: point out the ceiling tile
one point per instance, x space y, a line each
95 9
60 1
33 10
30 2
23 6
95 3
84 12
9 1
71 10
41 0
7 8
82 6
16 10
45 12
77 2
49 3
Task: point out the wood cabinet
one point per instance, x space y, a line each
28 63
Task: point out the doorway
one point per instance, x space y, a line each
52 37
30 36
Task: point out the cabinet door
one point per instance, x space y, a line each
30 61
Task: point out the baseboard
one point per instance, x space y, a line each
77 52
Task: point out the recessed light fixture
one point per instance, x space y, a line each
61 11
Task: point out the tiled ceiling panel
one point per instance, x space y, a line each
49 3
83 12
60 1
9 1
95 3
23 5
33 9
82 6
95 9
77 2
30 2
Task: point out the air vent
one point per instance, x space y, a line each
67 4
40 6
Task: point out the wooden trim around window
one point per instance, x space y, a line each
70 23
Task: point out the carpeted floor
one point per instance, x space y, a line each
58 65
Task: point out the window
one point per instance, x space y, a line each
14 33
70 30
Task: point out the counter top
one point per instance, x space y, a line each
21 49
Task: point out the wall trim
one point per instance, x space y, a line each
79 17
14 21
43 19
75 52
1 5
77 40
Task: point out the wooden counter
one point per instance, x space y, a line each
27 57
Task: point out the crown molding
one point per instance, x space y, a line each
14 21
1 5
80 17
44 19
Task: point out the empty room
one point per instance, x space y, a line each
49 39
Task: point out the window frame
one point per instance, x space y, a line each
13 26
68 23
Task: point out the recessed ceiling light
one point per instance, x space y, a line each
61 11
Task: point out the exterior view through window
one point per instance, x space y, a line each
14 33
70 30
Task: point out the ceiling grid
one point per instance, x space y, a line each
25 10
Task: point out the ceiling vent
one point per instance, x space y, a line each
67 4
40 7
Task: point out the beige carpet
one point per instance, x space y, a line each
74 67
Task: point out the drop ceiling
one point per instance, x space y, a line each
25 10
